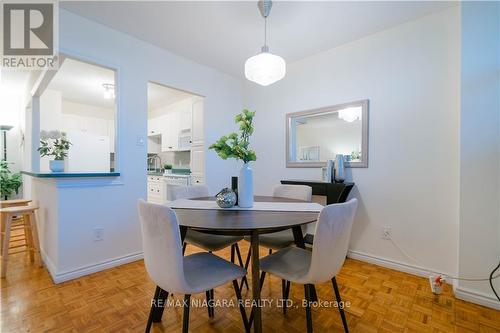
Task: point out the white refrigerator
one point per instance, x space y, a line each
88 153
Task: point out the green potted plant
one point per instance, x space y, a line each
54 143
9 182
168 168
236 145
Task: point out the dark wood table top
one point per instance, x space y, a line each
243 221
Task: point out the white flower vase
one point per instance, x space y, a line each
245 187
56 165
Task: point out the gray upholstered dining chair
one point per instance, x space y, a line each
329 250
282 239
207 242
174 273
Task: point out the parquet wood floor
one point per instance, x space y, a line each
118 300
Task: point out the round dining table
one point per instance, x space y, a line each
247 223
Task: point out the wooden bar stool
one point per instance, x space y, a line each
18 237
14 203
28 223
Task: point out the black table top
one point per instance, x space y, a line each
243 221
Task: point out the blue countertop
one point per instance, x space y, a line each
70 174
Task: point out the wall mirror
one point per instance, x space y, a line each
315 136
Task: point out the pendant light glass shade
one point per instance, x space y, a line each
265 68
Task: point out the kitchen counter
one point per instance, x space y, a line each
70 174
174 174
155 173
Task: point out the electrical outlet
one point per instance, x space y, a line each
98 234
386 233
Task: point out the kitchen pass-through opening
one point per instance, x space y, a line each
175 145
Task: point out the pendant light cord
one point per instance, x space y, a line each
265 31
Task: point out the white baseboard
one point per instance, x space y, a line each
480 298
86 270
393 264
460 292
48 264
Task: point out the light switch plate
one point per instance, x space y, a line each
140 141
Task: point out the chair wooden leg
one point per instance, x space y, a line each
185 317
249 255
34 236
210 309
159 303
7 220
232 253
307 293
240 261
270 251
287 293
240 306
262 278
247 263
339 302
285 289
155 305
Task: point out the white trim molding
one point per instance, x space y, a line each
86 270
473 296
459 292
393 264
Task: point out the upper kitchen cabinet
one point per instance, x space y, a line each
170 131
185 117
154 126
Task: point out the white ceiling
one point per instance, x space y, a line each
224 34
159 95
81 82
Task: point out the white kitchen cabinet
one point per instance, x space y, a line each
198 162
170 132
155 126
197 180
157 192
185 118
197 135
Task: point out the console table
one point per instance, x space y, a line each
334 192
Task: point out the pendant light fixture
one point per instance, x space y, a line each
109 91
265 68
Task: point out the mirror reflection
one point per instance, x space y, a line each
316 136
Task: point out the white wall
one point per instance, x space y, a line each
111 205
10 114
50 119
410 74
479 250
337 137
182 105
